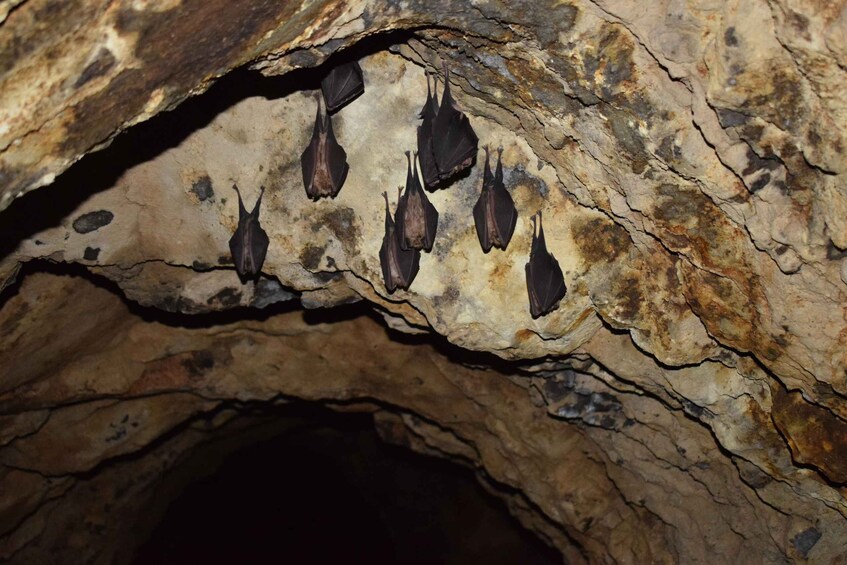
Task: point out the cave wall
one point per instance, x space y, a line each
688 157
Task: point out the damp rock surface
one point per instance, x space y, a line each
689 162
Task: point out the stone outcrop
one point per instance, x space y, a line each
689 161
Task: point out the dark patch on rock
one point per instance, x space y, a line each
730 118
669 151
200 266
102 63
342 222
225 260
311 255
557 388
729 37
781 250
38 242
91 253
598 409
200 363
627 135
628 298
800 23
22 38
226 298
565 17
805 541
756 163
447 297
783 104
202 188
833 253
176 50
760 183
816 437
269 291
93 221
600 239
328 276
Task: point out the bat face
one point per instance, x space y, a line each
417 218
324 162
544 280
399 266
494 214
342 85
249 243
447 144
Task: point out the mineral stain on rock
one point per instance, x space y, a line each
91 253
200 363
227 298
93 221
101 64
202 188
805 541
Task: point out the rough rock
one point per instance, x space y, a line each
689 160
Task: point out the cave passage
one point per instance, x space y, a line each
329 490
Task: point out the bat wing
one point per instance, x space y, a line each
545 283
454 142
343 84
431 222
308 160
505 214
429 170
336 160
408 262
249 245
479 217
385 263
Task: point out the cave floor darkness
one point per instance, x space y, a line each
329 490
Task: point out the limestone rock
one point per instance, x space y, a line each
689 160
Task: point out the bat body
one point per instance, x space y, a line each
416 218
429 170
324 162
544 280
399 266
249 243
449 145
494 214
342 85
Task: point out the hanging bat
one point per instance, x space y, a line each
454 143
324 162
342 85
399 266
494 214
417 218
544 279
429 170
249 243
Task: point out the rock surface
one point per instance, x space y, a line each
689 161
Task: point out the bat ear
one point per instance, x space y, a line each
255 211
241 210
409 178
486 174
498 176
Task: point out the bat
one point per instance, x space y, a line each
399 266
249 243
494 214
429 171
324 161
416 217
544 280
342 85
450 144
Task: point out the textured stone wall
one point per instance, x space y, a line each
689 160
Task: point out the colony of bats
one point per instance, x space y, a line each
447 146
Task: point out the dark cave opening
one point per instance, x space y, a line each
327 488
